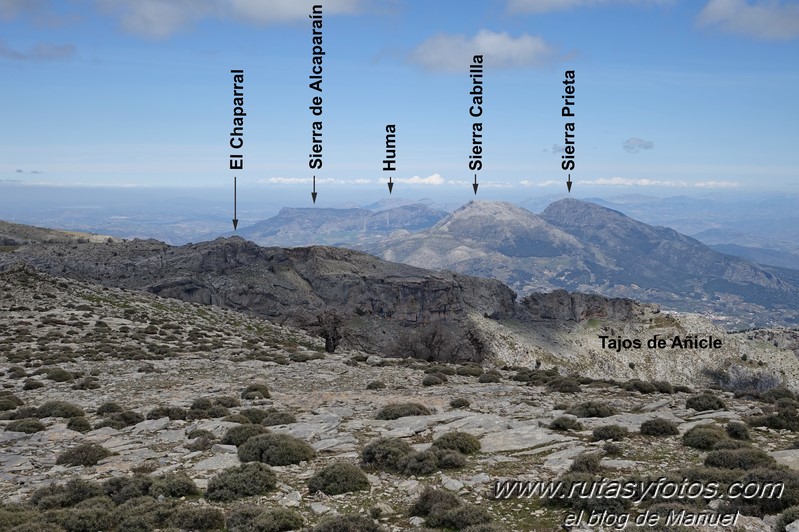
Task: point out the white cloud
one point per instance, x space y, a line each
542 184
634 145
545 6
627 182
454 52
434 179
309 181
772 19
161 18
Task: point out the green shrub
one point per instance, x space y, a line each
703 437
727 443
773 395
85 454
59 409
276 417
663 386
201 433
203 403
123 489
32 384
769 505
398 410
256 391
9 401
703 402
16 372
172 412
87 519
198 518
782 420
612 449
469 370
275 450
337 478
109 408
140 514
346 523
376 385
431 499
23 412
659 427
227 401
636 385
591 409
564 385
747 458
255 415
27 425
565 423
610 432
243 481
459 402
737 430
385 453
586 463
173 485
461 518
59 375
126 418
241 433
431 380
449 459
681 388
65 495
13 515
276 520
418 463
489 378
462 442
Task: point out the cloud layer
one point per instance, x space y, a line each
38 52
627 182
771 19
450 53
545 6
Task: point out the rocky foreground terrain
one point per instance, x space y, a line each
125 411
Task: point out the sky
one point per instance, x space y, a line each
676 95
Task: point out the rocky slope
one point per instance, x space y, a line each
119 356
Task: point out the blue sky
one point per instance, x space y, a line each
672 95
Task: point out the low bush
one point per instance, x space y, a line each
385 453
85 454
346 523
64 495
431 499
771 503
449 459
636 385
786 518
659 427
32 384
275 450
663 387
489 377
241 433
610 432
28 425
681 388
612 449
703 437
737 430
172 412
257 520
564 385
586 463
418 463
254 415
123 489
773 395
173 485
376 385
337 478
9 401
60 375
256 391
276 417
432 380
95 517
462 442
59 409
591 409
469 370
242 481
746 458
459 402
705 401
227 401
398 410
565 423
198 518
109 408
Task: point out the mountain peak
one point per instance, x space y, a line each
574 212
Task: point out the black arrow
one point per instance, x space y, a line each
390 185
235 218
569 183
475 184
313 194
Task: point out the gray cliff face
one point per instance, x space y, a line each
377 299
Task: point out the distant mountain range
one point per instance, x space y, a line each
305 226
578 245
